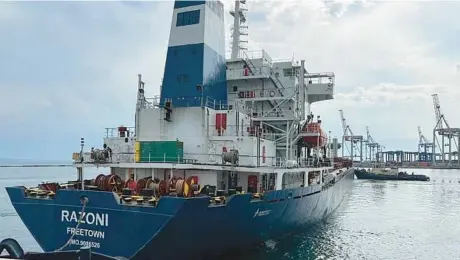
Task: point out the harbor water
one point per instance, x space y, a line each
378 220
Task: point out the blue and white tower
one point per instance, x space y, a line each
195 62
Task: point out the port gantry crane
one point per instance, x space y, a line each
352 140
425 148
372 147
443 130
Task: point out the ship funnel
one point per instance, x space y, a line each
196 55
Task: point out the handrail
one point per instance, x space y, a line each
152 101
320 75
194 158
247 60
274 109
208 101
278 81
252 55
114 132
292 89
263 93
291 60
255 71
320 78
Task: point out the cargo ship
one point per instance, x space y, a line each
229 155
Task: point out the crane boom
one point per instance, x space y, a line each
344 122
346 128
440 118
420 136
370 140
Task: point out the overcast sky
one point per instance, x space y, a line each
69 69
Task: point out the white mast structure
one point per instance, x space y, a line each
239 23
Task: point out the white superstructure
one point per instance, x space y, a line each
263 119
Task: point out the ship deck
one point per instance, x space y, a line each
198 166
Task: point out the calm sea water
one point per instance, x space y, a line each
378 220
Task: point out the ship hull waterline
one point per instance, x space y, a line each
177 227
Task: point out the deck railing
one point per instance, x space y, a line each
248 93
202 159
320 78
115 132
252 55
272 113
238 73
206 101
151 102
240 130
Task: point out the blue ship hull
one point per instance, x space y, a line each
177 227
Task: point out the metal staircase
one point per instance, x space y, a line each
248 62
277 109
276 80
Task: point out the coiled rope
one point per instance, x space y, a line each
84 202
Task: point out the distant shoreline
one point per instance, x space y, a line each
19 162
34 165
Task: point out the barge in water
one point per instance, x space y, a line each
388 174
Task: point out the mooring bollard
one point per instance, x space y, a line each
84 253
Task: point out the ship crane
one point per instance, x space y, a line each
423 146
372 147
443 131
350 141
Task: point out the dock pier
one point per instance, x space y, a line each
408 159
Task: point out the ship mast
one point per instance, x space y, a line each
139 105
239 20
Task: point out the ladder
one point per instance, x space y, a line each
163 117
162 124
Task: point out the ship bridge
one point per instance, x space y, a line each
320 86
254 77
275 94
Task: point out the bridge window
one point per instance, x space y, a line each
288 72
188 18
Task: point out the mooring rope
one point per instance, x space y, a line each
84 201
